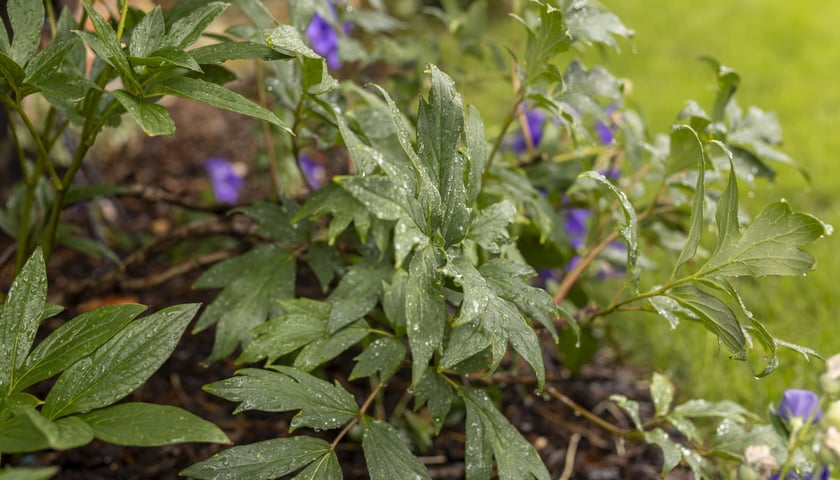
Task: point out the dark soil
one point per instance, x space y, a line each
570 445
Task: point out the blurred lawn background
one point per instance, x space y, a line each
787 54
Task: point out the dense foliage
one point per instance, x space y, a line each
451 247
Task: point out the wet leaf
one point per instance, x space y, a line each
386 455
150 425
383 355
20 317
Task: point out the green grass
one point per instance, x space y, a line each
786 55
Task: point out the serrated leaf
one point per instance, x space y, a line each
27 19
386 455
671 452
686 151
548 38
769 246
436 394
662 393
508 280
489 434
425 309
325 263
11 71
631 407
393 302
629 231
715 315
590 23
383 355
26 473
357 293
154 119
121 365
343 206
256 279
184 31
498 317
331 345
73 341
303 321
148 34
464 343
26 430
489 227
264 460
381 195
150 425
214 95
21 316
321 404
222 52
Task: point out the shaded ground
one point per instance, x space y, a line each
571 446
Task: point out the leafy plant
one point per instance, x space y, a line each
100 357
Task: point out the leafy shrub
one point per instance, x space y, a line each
459 228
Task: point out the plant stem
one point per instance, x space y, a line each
359 416
267 137
556 394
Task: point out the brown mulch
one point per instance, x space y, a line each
567 442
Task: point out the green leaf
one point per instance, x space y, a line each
331 345
498 317
357 293
275 221
393 302
769 246
150 425
381 196
728 81
325 263
686 151
383 355
264 460
20 318
215 95
107 46
671 451
425 309
726 215
629 231
73 341
434 392
11 473
154 119
11 71
121 365
476 147
590 23
662 392
509 280
222 52
699 408
302 322
26 430
321 405
489 433
440 124
325 468
631 407
715 315
286 38
185 30
257 12
343 206
166 57
386 455
27 20
489 227
252 283
546 39
148 34
49 60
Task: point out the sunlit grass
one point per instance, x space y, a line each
786 55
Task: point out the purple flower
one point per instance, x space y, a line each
575 224
534 120
324 38
821 474
800 404
606 132
226 181
314 172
